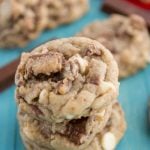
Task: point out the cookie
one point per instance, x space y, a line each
75 134
66 11
23 21
65 90
71 78
126 37
106 139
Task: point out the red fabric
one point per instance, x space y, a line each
140 4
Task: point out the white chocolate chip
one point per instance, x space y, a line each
83 63
45 49
43 98
108 141
69 117
105 87
102 113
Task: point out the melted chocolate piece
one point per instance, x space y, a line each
75 129
94 79
35 99
36 109
42 77
55 77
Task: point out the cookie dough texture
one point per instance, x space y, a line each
67 78
23 20
126 37
104 140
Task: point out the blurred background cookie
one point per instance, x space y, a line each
126 37
22 21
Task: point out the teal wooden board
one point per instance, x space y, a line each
134 93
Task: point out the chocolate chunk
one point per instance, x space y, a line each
7 74
46 63
94 79
36 110
42 77
45 131
57 77
75 129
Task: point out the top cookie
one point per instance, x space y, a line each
71 77
126 37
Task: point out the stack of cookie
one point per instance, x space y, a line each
66 94
23 20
